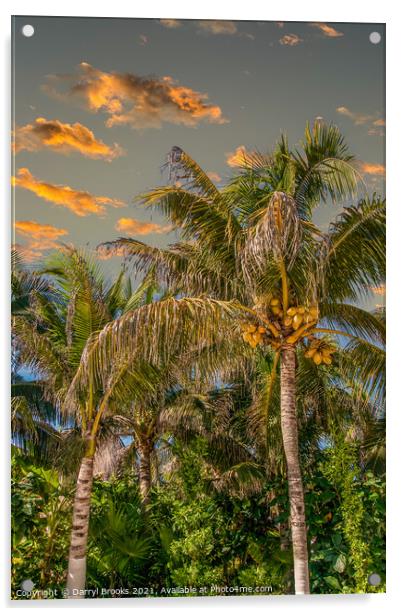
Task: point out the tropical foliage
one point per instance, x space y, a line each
221 425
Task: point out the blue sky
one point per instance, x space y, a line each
99 102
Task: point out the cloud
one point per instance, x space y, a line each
105 252
290 39
41 237
35 230
129 99
378 290
372 168
377 128
327 30
215 177
63 138
377 132
216 27
27 253
357 118
374 123
131 226
237 158
212 26
170 23
81 202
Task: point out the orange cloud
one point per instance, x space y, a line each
212 26
108 252
372 168
40 238
238 158
170 23
327 30
131 226
81 202
378 290
63 138
30 228
377 128
375 124
28 254
357 118
290 39
139 102
215 177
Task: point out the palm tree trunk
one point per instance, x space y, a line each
295 482
77 562
144 471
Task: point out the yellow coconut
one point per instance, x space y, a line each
317 358
309 353
297 321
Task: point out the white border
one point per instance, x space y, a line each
292 10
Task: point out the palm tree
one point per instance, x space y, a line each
32 416
144 423
253 261
50 337
177 400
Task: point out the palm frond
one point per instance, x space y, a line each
324 167
275 234
353 256
363 364
240 480
158 331
354 321
185 170
196 216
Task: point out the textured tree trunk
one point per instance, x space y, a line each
295 482
77 562
144 471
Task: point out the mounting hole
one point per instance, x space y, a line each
375 38
374 579
27 585
28 30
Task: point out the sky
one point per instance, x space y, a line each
99 102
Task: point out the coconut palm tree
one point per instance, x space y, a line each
49 337
32 417
177 401
253 263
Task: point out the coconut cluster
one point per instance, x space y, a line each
298 315
320 352
288 326
253 334
300 319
